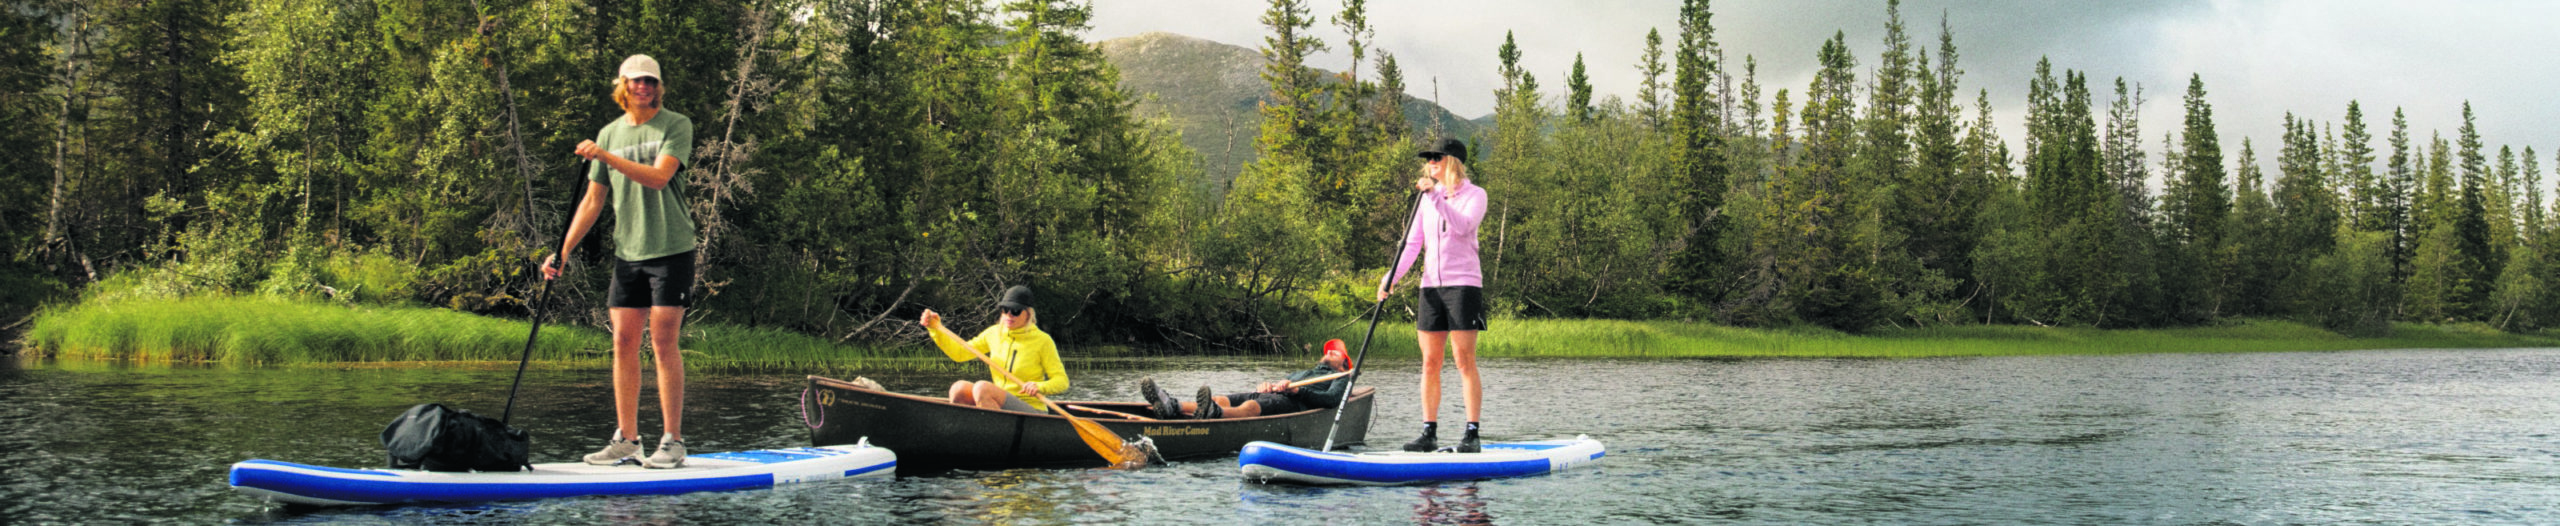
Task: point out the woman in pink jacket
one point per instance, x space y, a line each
1452 282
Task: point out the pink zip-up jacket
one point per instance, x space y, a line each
1446 225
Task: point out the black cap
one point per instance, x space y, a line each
1449 147
1016 299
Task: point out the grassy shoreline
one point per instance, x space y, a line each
257 331
1675 339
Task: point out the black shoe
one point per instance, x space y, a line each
1469 444
1158 399
1426 444
1208 405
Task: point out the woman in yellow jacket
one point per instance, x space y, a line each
1015 343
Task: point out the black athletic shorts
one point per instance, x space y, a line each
1272 403
1447 309
665 281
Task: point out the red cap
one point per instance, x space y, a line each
1333 351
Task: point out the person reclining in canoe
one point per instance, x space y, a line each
1015 341
1270 398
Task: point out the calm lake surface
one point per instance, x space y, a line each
2380 437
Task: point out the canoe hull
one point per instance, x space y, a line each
326 486
1269 463
932 433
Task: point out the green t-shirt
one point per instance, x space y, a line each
648 223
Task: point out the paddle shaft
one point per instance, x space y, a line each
529 338
1375 310
1318 380
533 310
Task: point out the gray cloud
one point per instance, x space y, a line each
2259 59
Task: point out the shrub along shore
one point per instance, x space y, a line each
259 331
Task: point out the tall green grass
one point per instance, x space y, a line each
273 331
263 331
1617 338
267 331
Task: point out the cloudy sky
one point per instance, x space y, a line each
2259 59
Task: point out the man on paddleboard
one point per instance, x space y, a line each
639 162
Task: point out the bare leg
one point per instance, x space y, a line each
1248 408
1466 352
666 325
964 392
627 327
1432 342
990 396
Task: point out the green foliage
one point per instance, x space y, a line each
862 161
2349 289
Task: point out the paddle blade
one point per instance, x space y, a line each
1105 443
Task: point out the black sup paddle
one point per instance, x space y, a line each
1375 310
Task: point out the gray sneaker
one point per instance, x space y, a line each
615 451
670 455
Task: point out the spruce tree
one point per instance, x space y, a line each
1698 268
1649 91
2481 256
2399 216
1578 92
2367 208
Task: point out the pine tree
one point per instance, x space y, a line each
1698 267
1578 88
2195 207
2368 206
2481 256
1945 196
2400 218
2304 202
1649 91
2248 285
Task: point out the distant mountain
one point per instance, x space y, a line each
1212 92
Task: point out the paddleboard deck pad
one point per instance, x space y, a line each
1269 462
325 486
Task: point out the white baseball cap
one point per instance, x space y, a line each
640 66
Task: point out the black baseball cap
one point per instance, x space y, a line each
1450 147
1016 299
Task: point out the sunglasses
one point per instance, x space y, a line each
645 81
1009 311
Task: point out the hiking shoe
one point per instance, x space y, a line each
1426 444
1469 444
1208 405
615 451
670 454
1159 399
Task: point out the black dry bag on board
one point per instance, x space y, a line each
438 438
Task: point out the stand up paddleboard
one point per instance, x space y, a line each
1268 462
325 486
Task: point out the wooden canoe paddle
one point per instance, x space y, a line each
1318 380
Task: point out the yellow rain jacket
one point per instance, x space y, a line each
1028 352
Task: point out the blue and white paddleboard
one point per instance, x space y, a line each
1271 462
325 486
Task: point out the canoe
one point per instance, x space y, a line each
1268 462
326 486
931 433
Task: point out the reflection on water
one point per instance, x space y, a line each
1454 505
2362 437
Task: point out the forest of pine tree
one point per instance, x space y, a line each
861 160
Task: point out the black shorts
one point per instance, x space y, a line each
1272 403
1447 309
665 281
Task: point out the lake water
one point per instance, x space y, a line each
2381 437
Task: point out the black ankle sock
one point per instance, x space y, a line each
1471 429
1430 428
